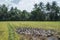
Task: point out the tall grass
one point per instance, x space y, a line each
11 31
9 27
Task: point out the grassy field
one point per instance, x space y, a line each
7 28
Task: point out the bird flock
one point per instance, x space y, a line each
39 33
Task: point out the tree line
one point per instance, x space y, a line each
40 12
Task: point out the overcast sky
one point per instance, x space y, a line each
25 4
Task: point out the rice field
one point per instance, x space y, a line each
7 29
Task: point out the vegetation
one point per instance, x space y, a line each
40 12
8 28
11 35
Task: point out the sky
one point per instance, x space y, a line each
25 4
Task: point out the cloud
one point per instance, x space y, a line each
15 1
25 4
8 3
28 4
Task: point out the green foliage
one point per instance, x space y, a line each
8 28
40 12
11 31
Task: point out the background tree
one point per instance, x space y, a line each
40 12
48 11
15 14
25 15
3 12
54 11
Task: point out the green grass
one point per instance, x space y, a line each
8 26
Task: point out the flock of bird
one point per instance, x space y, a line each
35 31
